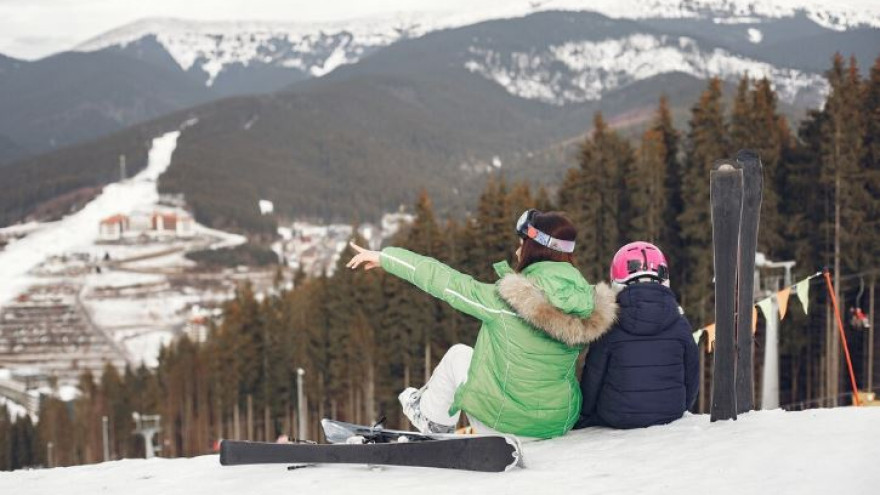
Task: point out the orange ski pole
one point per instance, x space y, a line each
852 375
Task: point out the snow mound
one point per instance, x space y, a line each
818 451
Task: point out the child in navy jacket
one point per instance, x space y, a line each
645 370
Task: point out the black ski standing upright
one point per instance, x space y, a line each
753 183
726 197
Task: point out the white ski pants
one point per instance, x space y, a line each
450 373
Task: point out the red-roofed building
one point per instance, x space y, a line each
112 228
180 224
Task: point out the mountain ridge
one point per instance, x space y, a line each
214 45
364 138
133 76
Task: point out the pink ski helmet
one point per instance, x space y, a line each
639 259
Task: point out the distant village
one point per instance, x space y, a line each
133 290
155 224
316 248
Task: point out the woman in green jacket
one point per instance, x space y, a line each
520 376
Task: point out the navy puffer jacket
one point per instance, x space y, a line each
645 370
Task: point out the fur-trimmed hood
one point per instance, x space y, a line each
577 324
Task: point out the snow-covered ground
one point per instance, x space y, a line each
769 452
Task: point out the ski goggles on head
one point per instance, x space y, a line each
525 230
637 267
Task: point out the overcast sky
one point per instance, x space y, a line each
32 29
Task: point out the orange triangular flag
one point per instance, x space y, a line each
754 320
710 339
782 300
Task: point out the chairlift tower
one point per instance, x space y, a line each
147 426
770 376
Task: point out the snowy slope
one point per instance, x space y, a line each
770 452
134 303
319 47
80 230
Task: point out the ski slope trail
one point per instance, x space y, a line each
80 230
812 452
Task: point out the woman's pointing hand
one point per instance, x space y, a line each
370 259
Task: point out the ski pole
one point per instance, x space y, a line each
852 376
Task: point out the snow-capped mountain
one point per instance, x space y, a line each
314 49
579 71
397 102
211 47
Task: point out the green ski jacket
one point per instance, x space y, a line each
522 378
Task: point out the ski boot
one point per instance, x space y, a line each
410 402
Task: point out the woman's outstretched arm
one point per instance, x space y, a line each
461 291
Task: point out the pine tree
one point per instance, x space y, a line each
645 187
424 237
755 124
5 437
592 197
340 300
117 411
871 162
707 142
842 139
742 119
670 233
87 425
24 444
519 200
496 240
543 201
395 335
55 426
842 158
769 136
806 196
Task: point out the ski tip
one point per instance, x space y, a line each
724 165
224 453
747 155
518 459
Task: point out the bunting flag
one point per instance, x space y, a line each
754 320
802 289
710 342
782 298
766 306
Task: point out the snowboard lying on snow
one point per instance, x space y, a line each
357 444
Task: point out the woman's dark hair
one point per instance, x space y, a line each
554 224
